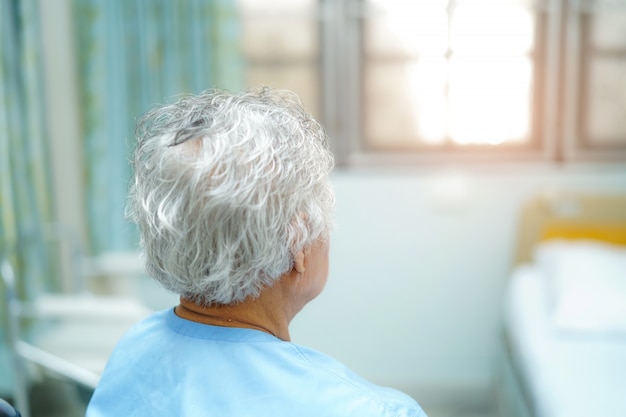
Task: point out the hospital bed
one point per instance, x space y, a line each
565 310
68 334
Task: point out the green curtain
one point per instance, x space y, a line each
25 187
25 192
133 54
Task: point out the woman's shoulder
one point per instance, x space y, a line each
379 400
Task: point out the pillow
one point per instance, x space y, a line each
586 282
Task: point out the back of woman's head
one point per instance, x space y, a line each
226 188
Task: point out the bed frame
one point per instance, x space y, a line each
110 313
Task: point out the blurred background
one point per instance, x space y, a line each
446 119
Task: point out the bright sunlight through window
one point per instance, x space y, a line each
460 73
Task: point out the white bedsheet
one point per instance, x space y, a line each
567 375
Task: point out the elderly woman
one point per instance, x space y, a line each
233 201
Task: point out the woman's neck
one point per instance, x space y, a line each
262 313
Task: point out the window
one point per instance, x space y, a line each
595 97
396 80
435 74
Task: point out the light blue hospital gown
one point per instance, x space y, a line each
169 366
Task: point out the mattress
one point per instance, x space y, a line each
563 372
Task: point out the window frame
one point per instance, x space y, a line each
577 147
552 138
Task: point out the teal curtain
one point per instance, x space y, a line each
25 191
133 54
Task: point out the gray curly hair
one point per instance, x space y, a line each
226 188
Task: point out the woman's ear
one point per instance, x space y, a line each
298 226
298 261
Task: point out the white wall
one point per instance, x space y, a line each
419 263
